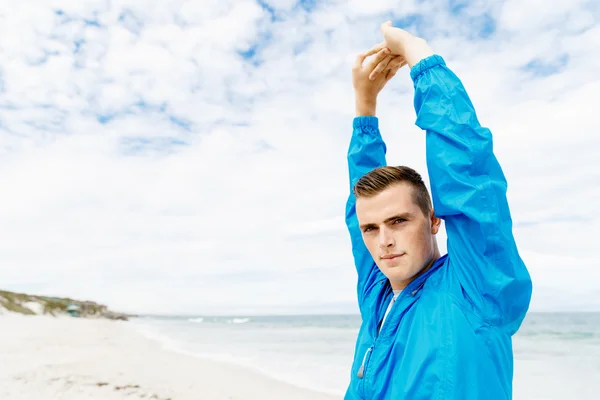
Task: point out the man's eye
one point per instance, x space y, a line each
399 220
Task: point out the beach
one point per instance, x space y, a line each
250 357
44 358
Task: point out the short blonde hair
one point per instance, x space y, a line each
379 179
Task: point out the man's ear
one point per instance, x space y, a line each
435 223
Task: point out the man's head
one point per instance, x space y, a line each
397 221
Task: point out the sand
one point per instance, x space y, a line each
47 358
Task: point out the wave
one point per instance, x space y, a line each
198 320
239 320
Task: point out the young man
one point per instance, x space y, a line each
434 327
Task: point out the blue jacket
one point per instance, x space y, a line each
448 335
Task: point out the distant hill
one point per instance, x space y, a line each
27 304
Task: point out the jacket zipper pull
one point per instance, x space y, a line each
361 370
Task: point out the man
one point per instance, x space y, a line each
434 327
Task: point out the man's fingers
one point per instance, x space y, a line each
383 64
396 61
389 63
379 57
391 72
360 58
375 49
386 25
358 61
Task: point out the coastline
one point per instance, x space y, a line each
72 358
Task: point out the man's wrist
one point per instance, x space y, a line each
425 64
365 107
366 123
414 59
418 51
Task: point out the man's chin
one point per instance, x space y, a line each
394 267
400 274
396 275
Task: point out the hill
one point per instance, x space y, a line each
43 305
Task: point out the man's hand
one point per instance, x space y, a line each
401 43
369 79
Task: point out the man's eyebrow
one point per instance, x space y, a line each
405 215
370 225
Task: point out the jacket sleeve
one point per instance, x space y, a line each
366 152
469 194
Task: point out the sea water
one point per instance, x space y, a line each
557 355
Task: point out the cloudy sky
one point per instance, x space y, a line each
190 156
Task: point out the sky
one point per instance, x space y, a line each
189 157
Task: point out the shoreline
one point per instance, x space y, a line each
168 344
71 358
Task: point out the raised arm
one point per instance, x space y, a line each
468 187
469 193
366 152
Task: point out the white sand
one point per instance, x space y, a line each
46 358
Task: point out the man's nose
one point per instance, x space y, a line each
385 238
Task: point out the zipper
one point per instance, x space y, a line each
380 307
361 370
409 291
387 291
412 289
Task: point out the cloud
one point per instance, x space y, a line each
188 157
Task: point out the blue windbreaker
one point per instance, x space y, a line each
448 335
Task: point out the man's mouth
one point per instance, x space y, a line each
392 256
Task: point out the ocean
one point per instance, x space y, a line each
557 355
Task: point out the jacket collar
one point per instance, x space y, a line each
418 283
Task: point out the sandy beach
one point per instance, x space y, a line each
46 358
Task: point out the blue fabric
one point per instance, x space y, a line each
448 335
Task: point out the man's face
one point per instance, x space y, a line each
400 238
